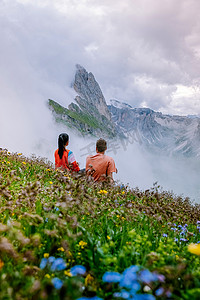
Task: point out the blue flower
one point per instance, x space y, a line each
165 235
123 294
51 259
146 276
111 277
144 297
78 270
129 276
176 240
172 228
43 263
93 298
58 265
57 283
159 291
198 222
56 208
180 226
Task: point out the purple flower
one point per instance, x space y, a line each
172 228
198 222
176 240
183 240
198 227
57 283
78 270
165 235
112 277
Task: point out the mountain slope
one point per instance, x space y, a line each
90 115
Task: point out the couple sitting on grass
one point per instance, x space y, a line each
99 166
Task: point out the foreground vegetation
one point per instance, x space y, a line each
63 237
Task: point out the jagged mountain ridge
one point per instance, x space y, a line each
90 115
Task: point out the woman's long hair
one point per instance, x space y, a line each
62 140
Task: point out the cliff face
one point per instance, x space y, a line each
90 114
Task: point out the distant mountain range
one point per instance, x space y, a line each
90 115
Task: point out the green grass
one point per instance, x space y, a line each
44 212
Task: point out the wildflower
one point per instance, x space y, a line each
19 154
123 192
1 264
92 298
198 222
102 192
82 244
176 240
194 248
43 263
147 277
159 291
46 255
183 240
89 279
112 277
47 276
58 265
61 249
67 273
51 259
129 276
56 208
174 229
24 163
57 283
165 235
50 182
108 237
48 170
78 270
8 162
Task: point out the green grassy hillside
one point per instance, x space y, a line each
63 237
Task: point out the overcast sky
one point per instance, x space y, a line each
143 52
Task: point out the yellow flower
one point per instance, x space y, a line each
50 182
123 192
47 276
46 255
102 192
67 273
1 264
82 244
108 237
8 162
194 248
89 279
61 249
24 163
48 170
19 154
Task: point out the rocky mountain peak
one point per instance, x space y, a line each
89 92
